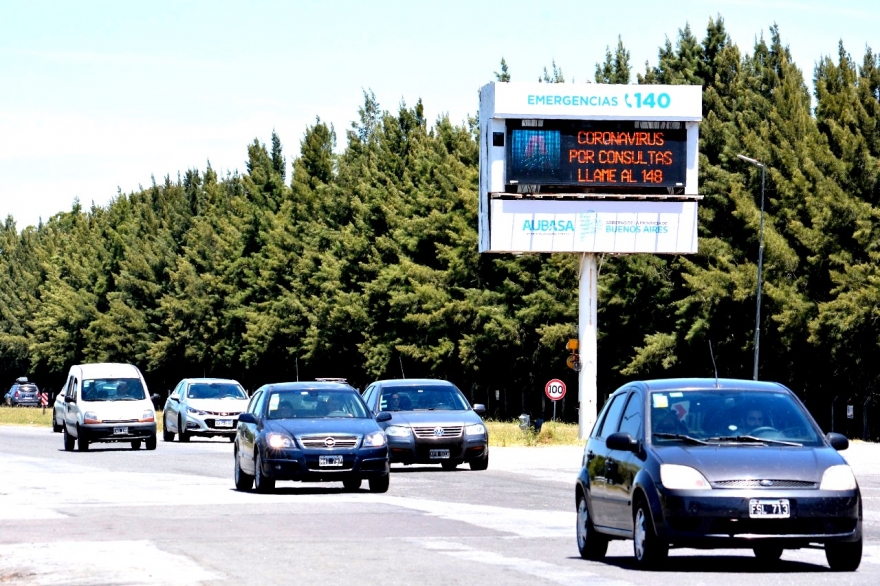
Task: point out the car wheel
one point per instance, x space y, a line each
481 463
591 544
242 481
136 444
380 483
151 442
650 551
82 444
450 465
231 438
261 483
167 436
352 483
68 439
768 553
182 435
844 557
55 427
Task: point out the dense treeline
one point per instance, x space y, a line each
364 262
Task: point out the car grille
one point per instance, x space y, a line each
223 413
324 441
767 484
115 421
432 431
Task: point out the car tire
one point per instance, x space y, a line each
351 484
167 436
151 442
649 550
242 481
380 483
450 465
82 444
481 463
261 483
182 435
55 427
768 554
68 439
232 438
844 557
136 444
592 545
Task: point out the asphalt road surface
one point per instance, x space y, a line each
171 516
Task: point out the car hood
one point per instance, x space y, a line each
718 463
433 418
329 425
218 405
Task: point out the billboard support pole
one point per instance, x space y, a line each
587 333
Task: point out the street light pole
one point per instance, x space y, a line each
760 265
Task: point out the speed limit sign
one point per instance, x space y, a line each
555 389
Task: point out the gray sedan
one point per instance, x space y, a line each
204 407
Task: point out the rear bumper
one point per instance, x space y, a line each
108 433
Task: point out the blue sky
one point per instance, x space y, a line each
96 96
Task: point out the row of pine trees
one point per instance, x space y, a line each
363 264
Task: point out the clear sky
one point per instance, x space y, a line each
99 96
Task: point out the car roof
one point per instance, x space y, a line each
310 386
210 380
409 382
710 384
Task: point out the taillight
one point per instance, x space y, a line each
16 394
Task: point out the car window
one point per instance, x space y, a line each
255 400
612 415
215 390
315 403
632 416
368 394
113 389
422 398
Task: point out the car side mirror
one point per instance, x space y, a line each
247 418
174 397
838 441
383 416
622 441
479 408
70 398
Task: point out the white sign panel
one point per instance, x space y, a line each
597 101
621 226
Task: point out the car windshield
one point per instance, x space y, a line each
722 416
315 403
215 391
422 398
113 389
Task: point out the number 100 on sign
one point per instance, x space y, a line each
555 389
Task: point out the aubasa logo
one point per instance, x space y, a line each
548 226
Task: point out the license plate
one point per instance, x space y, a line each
439 454
223 423
120 430
769 509
329 460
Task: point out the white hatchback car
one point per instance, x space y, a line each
203 406
107 402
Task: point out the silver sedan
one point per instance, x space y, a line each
204 407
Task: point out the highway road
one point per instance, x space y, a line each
171 516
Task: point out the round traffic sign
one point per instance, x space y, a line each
555 389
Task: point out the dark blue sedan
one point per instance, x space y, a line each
311 432
707 463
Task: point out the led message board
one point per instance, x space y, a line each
596 153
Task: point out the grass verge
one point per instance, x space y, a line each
31 416
553 433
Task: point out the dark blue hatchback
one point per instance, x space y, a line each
707 463
311 432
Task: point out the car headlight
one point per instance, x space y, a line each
397 431
838 478
682 478
195 411
476 429
374 439
90 417
278 441
147 416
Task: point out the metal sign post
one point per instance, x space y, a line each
587 332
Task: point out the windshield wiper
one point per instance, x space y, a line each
751 439
681 436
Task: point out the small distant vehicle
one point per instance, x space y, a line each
715 463
204 407
107 402
313 431
433 423
23 394
58 409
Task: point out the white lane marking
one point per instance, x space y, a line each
539 569
138 563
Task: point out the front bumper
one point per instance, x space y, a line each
304 465
700 520
112 432
211 424
413 450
